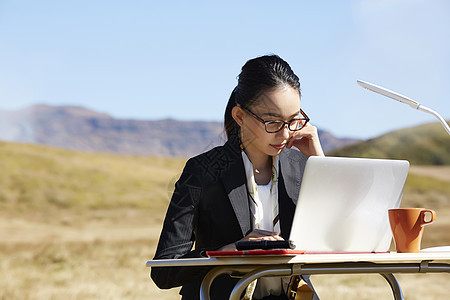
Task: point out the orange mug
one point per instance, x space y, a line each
407 227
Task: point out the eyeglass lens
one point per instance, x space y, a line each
293 125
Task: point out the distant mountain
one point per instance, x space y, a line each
81 129
427 144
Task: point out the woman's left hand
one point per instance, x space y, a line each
307 141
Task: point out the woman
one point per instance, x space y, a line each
246 189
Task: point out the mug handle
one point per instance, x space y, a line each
433 216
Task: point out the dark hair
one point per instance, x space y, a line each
257 76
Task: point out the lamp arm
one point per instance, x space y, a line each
434 113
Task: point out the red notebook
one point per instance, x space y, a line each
255 252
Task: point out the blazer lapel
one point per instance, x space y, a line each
234 181
292 165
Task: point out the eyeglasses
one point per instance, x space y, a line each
276 125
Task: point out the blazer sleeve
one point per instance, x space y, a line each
178 233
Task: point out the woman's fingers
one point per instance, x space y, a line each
307 141
261 235
265 232
256 235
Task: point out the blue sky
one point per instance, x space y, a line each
179 59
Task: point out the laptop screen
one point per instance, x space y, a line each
343 204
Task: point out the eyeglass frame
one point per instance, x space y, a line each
306 119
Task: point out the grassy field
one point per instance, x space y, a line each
81 226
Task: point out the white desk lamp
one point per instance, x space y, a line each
403 99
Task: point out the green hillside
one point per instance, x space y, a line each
37 177
427 144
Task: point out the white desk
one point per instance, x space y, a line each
253 267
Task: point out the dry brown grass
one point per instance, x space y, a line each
97 259
374 287
73 248
104 258
438 172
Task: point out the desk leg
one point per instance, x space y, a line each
396 290
206 283
209 278
261 272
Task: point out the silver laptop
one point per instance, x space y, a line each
343 204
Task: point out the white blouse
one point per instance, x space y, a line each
266 200
265 286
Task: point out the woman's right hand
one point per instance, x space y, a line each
255 235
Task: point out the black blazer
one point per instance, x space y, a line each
210 208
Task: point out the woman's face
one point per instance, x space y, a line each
278 104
